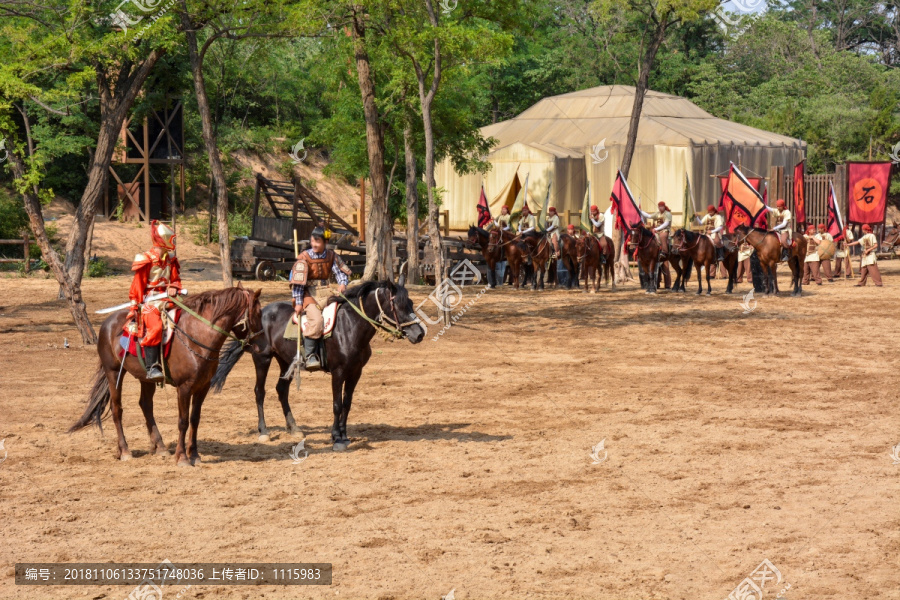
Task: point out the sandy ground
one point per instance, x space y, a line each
729 438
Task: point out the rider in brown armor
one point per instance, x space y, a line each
155 271
310 291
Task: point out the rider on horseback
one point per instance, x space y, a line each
783 216
597 220
155 271
714 223
310 291
553 230
527 228
502 220
663 218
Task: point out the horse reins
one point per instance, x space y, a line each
395 328
244 322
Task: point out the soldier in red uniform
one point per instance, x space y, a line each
155 271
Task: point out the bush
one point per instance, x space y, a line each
97 267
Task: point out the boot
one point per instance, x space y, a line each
151 356
785 256
310 348
720 254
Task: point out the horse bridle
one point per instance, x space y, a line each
391 326
586 238
243 322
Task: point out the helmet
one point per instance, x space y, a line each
780 203
711 209
162 235
661 204
526 209
594 208
570 227
821 226
867 228
810 229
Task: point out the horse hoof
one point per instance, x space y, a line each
264 438
195 460
341 446
163 452
184 462
125 456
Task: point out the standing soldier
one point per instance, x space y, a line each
744 263
842 255
783 226
155 271
502 220
553 230
310 291
598 220
811 264
826 251
869 244
663 218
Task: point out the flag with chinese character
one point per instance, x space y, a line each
834 223
624 207
741 200
800 191
484 211
868 189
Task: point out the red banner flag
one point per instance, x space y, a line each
800 191
762 221
484 211
623 205
868 191
834 222
742 203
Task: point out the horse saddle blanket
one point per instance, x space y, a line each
169 322
329 316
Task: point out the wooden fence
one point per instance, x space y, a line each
25 244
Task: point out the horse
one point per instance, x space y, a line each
729 242
505 240
492 253
347 350
230 313
647 254
568 254
596 257
537 246
682 264
768 248
700 250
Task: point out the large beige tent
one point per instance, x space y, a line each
576 138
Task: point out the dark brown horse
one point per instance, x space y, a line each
568 254
700 250
682 266
768 249
647 246
192 361
537 246
515 255
492 253
596 258
385 305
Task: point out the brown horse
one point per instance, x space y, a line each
492 253
568 254
647 247
515 255
682 265
729 241
192 361
596 258
701 252
537 246
768 249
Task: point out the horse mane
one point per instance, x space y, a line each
478 229
217 303
689 235
357 292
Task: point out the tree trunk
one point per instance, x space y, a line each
640 91
379 234
412 204
71 290
212 148
116 99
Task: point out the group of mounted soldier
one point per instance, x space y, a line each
528 250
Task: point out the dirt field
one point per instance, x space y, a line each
730 438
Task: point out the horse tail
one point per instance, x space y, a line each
229 357
98 401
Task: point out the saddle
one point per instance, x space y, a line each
170 320
329 316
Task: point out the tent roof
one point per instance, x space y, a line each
574 121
